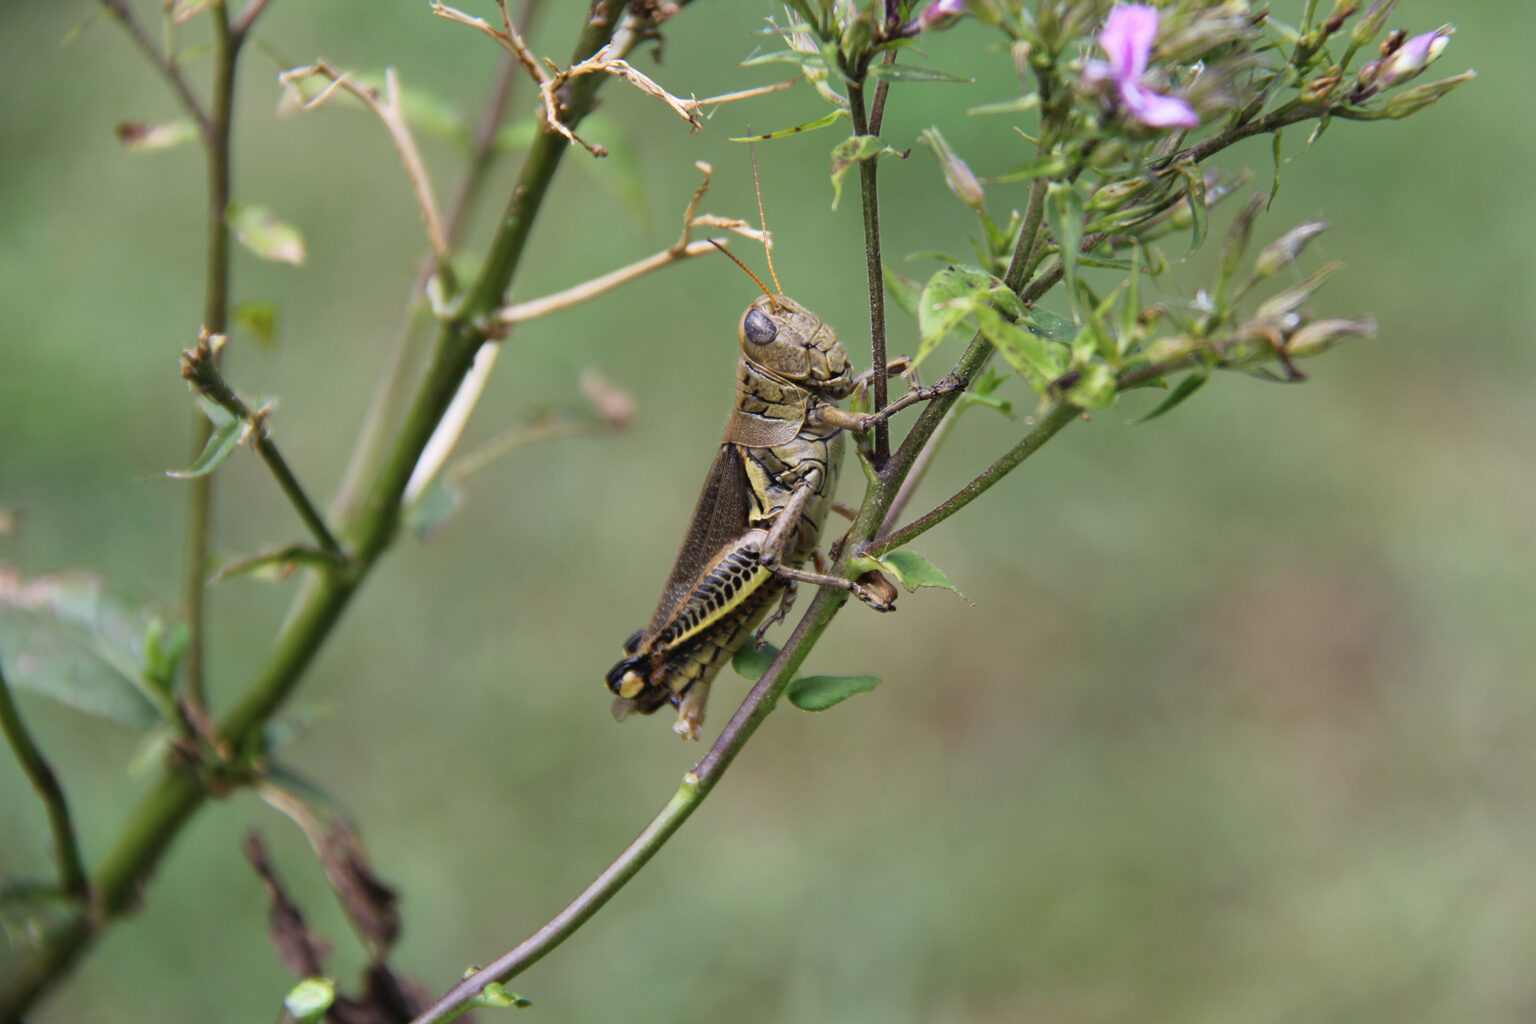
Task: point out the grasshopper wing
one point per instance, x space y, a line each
719 518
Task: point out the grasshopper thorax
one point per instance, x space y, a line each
790 342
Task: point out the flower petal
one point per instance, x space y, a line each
1127 39
1155 110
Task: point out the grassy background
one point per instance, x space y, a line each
1239 727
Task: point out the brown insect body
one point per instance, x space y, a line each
761 512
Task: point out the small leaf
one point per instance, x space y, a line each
138 137
1064 214
910 73
64 638
903 291
820 122
260 231
752 661
851 151
912 571
433 507
259 319
276 563
1017 105
818 693
309 999
221 443
495 997
1048 166
1195 202
1051 325
947 298
1035 358
1181 391
163 649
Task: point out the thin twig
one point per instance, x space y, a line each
199 368
535 308
372 433
72 878
1047 427
163 62
389 111
247 17
608 61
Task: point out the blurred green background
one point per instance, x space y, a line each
1239 725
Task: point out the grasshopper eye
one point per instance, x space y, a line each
757 327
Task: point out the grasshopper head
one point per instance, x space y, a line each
791 342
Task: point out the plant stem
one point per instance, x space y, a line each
216 147
200 367
175 796
72 879
1049 425
869 194
696 785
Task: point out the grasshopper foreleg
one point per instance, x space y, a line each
859 422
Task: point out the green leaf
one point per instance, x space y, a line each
259 320
1035 358
903 291
1051 325
309 999
752 661
911 73
260 231
1048 166
1196 201
983 392
818 693
276 563
1186 387
947 298
65 639
221 443
494 997
433 507
163 649
1064 214
1094 387
851 151
820 122
138 137
912 571
1017 105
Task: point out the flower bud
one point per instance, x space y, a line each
1416 99
957 174
1321 335
1413 56
938 14
1371 22
1283 251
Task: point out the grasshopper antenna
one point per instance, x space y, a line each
731 256
762 220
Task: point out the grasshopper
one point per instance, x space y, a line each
761 512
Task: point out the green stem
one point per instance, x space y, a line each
72 879
216 135
1048 426
696 785
173 799
869 193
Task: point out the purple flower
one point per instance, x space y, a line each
936 14
1414 56
1127 41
